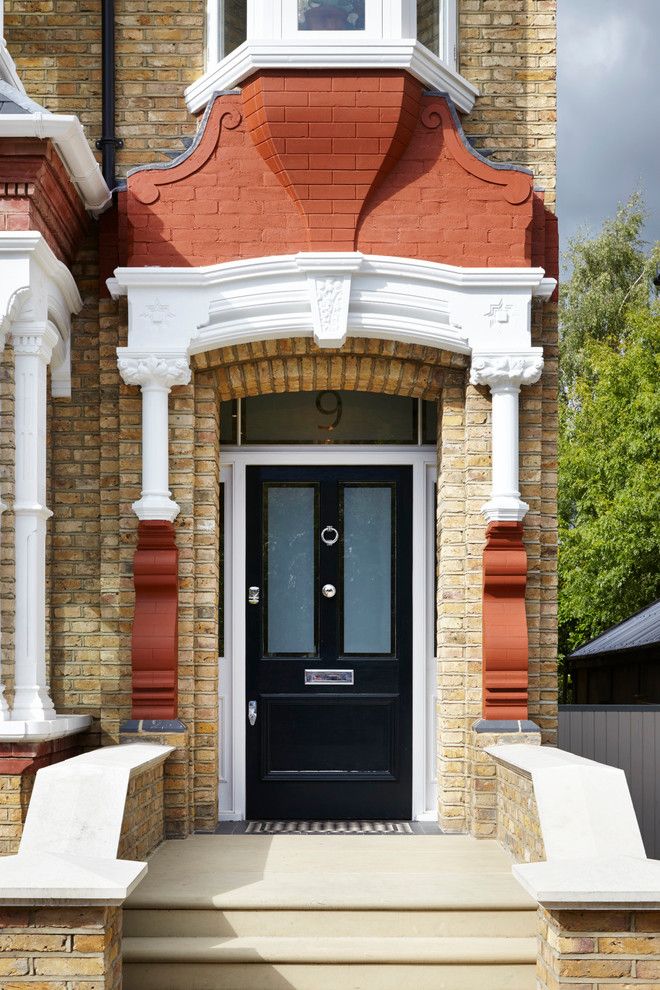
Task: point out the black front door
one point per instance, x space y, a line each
329 643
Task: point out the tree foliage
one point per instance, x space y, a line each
609 478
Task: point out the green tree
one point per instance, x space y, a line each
609 477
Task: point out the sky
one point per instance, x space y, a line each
609 110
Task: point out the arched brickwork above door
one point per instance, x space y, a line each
362 364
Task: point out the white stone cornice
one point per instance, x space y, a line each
154 371
403 299
500 371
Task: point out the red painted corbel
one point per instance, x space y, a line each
505 642
155 643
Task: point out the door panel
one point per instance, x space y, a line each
329 642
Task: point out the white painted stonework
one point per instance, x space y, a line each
387 42
37 297
486 312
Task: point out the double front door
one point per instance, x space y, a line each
329 642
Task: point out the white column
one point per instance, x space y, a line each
156 375
33 346
505 375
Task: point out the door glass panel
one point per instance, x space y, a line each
367 569
290 569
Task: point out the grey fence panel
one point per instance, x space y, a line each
625 736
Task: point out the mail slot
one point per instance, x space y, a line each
329 677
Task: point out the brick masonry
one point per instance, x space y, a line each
60 948
507 47
591 950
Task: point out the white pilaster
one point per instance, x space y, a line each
156 375
33 346
505 375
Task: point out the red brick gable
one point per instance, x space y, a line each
332 161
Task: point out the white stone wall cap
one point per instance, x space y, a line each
134 757
67 134
300 53
528 758
585 809
57 728
593 883
44 877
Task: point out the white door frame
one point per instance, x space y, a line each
232 701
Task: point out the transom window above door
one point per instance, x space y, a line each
329 416
436 22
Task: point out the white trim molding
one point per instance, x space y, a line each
406 54
37 297
67 134
174 313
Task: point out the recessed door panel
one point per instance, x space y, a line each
329 642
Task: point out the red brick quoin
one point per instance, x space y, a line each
332 162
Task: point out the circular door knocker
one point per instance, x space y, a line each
329 535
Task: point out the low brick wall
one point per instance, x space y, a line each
142 828
487 807
176 810
590 950
518 826
60 948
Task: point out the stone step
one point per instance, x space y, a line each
217 923
328 963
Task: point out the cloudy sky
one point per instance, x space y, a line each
609 110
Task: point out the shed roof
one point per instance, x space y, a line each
640 630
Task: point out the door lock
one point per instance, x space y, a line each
328 591
252 712
253 596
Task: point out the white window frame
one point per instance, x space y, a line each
374 28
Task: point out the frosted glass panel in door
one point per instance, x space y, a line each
368 569
290 564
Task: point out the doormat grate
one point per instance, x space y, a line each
329 828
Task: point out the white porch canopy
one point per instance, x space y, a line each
483 312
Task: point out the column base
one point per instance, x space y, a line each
33 730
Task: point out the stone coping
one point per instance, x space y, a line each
527 759
34 732
68 851
45 878
624 881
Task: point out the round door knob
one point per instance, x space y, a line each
329 590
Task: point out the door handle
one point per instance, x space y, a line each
252 712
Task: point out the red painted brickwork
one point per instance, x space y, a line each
330 139
505 640
155 643
18 758
332 161
36 193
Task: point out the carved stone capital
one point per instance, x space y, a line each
151 371
34 340
502 371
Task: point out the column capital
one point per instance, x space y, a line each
34 340
502 372
154 371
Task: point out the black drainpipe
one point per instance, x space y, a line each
108 142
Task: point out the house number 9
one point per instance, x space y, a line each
328 403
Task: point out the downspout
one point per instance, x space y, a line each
109 142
